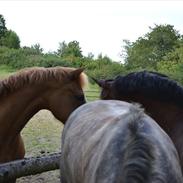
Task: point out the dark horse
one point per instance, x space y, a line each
116 142
161 97
58 89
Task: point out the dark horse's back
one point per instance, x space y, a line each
115 142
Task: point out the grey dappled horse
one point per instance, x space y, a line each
116 142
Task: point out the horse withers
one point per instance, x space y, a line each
114 141
59 90
161 97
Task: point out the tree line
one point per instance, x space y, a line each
160 49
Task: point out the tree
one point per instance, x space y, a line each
2 26
38 48
10 40
139 54
72 49
150 49
90 55
172 64
163 38
62 49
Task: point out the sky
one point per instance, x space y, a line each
99 26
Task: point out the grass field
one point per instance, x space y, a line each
42 134
5 71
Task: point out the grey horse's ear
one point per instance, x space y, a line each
76 73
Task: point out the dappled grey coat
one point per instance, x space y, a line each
115 142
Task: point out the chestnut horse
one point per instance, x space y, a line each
58 89
161 97
116 142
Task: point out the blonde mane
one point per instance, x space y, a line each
36 75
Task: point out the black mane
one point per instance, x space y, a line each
150 84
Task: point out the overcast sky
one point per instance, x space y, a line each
99 26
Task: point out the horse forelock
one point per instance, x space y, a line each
37 75
149 84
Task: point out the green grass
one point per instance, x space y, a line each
92 93
42 134
5 71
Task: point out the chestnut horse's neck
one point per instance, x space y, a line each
17 109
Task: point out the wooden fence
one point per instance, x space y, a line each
29 166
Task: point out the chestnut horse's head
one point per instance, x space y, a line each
58 89
65 95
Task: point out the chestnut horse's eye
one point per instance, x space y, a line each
80 97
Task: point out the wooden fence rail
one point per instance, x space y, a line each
29 166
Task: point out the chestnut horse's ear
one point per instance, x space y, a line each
76 73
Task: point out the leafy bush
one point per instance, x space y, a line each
28 57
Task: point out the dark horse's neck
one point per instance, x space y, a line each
168 115
17 109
